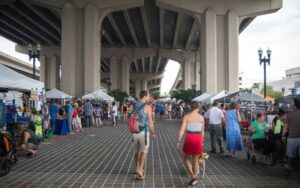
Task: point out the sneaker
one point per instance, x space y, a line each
212 151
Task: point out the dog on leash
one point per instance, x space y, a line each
202 160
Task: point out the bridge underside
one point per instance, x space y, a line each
131 41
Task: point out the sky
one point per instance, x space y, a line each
279 31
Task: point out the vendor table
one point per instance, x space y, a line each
61 127
10 119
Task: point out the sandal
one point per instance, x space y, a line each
34 154
139 176
193 182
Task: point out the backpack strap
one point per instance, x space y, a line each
138 109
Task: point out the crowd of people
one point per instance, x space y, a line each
279 141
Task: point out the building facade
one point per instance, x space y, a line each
289 84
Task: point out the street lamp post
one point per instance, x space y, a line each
194 87
108 82
264 61
34 54
283 90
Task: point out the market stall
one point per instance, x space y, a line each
20 97
249 105
202 97
98 95
220 95
57 94
19 93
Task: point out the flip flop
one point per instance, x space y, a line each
193 182
139 176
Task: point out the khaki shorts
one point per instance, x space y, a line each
139 142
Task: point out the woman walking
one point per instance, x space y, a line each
124 111
233 134
193 125
98 112
76 119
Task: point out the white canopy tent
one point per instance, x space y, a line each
202 97
13 80
216 96
57 94
99 94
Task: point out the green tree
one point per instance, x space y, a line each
118 95
272 93
185 95
155 93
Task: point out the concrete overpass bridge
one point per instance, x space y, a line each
131 41
18 65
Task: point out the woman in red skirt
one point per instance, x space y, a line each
193 125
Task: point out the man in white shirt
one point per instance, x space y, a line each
114 113
215 117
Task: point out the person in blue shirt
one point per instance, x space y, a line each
88 113
69 116
53 111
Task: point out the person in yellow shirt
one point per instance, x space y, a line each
278 136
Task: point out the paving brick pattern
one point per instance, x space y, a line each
103 157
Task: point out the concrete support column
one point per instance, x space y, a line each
187 75
43 68
125 74
145 85
113 72
51 72
92 48
137 85
232 52
58 79
208 52
68 48
197 75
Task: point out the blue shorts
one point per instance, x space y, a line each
293 147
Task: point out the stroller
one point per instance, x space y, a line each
250 150
8 152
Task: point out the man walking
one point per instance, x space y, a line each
293 140
141 138
114 113
88 113
69 110
216 118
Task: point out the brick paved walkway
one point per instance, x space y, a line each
100 157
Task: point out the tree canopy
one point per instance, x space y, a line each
271 92
155 93
185 95
118 95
